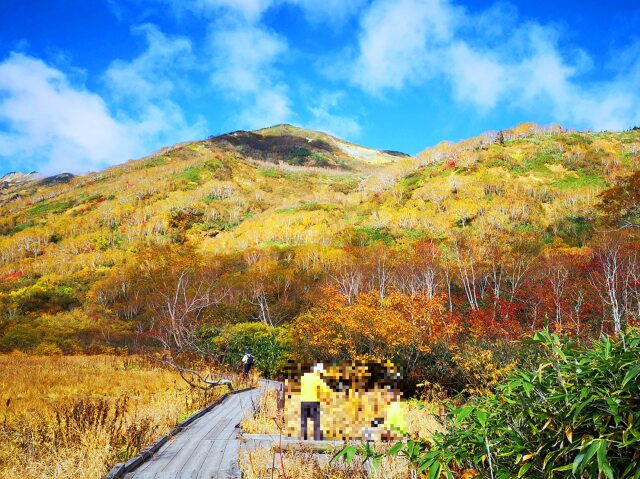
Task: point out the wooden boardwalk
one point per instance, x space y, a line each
208 447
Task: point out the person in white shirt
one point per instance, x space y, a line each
247 363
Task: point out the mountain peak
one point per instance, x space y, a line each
285 143
17 177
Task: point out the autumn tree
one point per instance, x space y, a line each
613 273
621 203
399 327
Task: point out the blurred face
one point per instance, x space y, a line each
389 395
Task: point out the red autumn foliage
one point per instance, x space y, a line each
13 276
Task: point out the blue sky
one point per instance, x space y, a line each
89 83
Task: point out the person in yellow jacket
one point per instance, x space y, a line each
313 390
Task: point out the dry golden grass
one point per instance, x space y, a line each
422 419
265 419
305 464
75 416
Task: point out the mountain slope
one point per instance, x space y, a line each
306 200
249 188
14 185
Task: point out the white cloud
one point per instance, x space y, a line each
542 77
250 10
398 40
154 73
143 88
332 11
57 125
246 54
489 58
48 119
244 58
325 119
476 77
270 107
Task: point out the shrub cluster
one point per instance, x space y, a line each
576 415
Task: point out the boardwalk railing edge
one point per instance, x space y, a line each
120 469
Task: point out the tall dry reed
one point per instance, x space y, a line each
76 416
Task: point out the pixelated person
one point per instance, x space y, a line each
313 391
395 420
392 423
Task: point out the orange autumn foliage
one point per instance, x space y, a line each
398 325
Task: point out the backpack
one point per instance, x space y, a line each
249 359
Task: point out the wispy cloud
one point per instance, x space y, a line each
324 116
488 58
399 43
246 54
244 58
50 120
143 89
249 10
154 73
60 125
330 11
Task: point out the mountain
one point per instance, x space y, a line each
15 184
16 178
297 146
14 181
309 201
221 182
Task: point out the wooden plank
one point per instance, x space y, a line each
173 467
155 447
145 475
116 471
210 452
134 462
218 430
197 459
229 456
207 447
157 463
211 465
275 439
170 460
167 452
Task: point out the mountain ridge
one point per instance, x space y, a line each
317 212
278 129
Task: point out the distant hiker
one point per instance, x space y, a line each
312 390
247 363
